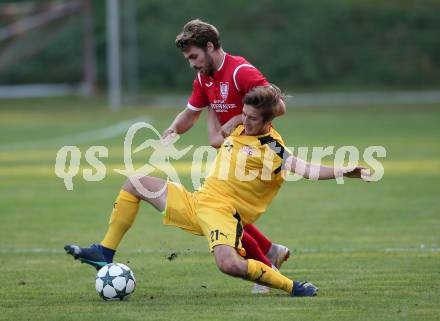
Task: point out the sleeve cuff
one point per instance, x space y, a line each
189 106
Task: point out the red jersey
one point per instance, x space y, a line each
224 91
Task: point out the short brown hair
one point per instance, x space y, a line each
266 99
198 33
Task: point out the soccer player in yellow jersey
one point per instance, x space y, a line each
246 175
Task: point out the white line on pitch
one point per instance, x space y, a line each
300 250
84 137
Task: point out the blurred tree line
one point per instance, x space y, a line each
305 44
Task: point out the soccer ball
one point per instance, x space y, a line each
115 281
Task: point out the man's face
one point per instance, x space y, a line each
253 121
200 60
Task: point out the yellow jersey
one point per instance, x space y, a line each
246 173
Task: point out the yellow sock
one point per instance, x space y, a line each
261 273
123 215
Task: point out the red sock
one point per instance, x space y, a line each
263 242
253 251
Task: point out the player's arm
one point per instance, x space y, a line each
182 123
230 125
214 129
187 118
319 172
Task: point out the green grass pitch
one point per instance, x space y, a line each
373 249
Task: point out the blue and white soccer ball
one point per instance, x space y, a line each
115 281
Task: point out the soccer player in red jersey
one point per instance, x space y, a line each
221 82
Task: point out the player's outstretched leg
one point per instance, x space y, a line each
253 251
95 255
304 289
276 253
137 187
229 262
